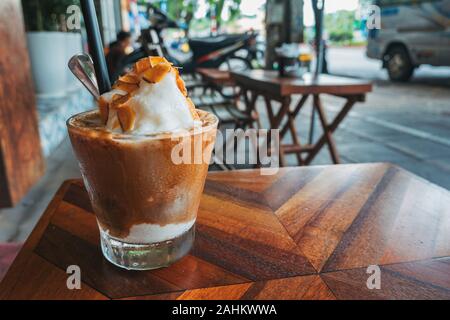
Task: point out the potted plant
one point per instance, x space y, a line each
48 44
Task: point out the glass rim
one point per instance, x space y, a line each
154 136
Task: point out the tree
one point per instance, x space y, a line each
180 10
340 25
191 7
184 10
216 7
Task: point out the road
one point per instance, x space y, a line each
404 123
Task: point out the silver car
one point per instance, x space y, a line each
413 32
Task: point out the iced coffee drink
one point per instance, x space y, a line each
144 157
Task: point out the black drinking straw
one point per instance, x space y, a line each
95 45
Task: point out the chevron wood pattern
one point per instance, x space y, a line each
305 233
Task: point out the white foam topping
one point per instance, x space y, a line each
159 107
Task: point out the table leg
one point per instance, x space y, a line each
284 109
250 106
275 121
295 139
250 102
327 133
294 114
329 129
269 111
312 125
250 99
290 126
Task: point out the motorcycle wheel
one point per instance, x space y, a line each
236 64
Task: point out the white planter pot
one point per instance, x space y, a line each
73 47
48 62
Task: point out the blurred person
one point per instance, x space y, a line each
116 53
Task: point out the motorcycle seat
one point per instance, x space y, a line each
204 46
216 42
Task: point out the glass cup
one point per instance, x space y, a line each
145 190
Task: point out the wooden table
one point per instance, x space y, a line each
216 76
305 233
268 84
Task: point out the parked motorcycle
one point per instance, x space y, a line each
229 51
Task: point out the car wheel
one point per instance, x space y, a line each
399 65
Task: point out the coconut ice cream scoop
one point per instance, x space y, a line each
150 99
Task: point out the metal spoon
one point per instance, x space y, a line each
82 67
